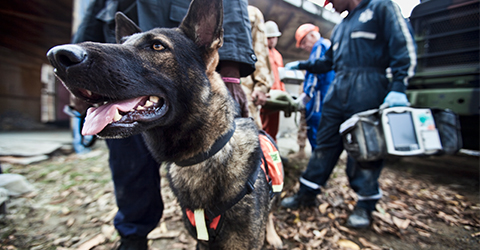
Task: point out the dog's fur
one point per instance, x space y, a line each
194 109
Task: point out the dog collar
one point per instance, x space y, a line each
219 144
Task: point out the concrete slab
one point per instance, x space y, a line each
32 143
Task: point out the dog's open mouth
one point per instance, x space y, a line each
124 113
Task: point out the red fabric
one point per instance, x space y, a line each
276 61
270 120
191 218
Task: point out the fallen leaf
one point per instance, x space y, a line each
331 216
402 224
447 218
314 244
453 202
96 169
109 216
70 222
368 244
323 208
346 230
377 229
400 203
460 197
348 244
320 234
58 201
380 208
423 233
61 240
159 233
475 234
108 231
424 226
384 217
65 210
95 241
297 219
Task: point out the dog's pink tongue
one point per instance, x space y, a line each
98 118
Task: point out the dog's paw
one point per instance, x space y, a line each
271 234
274 240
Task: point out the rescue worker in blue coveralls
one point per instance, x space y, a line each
315 86
373 36
134 171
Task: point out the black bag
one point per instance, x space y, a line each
448 125
363 136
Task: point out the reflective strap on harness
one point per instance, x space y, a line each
201 225
198 220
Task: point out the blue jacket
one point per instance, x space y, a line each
373 36
316 85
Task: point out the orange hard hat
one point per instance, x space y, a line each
303 30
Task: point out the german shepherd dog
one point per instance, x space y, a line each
162 83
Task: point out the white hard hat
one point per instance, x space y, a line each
271 29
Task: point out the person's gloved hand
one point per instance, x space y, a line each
302 101
395 99
292 65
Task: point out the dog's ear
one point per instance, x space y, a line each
124 26
204 23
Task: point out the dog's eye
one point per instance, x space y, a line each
158 46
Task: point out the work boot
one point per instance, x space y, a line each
133 243
299 200
359 218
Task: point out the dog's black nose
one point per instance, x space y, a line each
64 56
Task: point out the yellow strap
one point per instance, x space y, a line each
201 225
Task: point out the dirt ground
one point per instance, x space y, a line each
428 203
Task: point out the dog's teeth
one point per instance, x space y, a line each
117 116
148 103
154 99
89 93
140 108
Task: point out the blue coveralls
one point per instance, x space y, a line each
373 37
135 173
316 86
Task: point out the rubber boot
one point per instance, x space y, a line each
360 218
133 243
299 200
